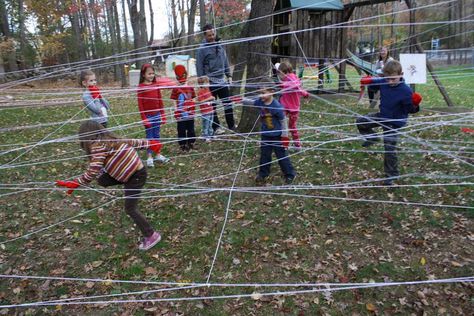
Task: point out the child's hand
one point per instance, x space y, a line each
155 146
285 142
68 184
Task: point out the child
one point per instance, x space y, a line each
92 98
122 165
397 101
184 112
207 111
274 134
151 108
290 98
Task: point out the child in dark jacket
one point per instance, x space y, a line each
274 134
397 101
185 109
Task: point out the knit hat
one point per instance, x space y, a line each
181 73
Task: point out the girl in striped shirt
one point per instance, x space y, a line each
122 165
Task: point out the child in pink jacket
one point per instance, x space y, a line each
290 98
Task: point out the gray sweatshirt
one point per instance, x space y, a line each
97 107
212 61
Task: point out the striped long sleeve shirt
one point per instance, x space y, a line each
118 157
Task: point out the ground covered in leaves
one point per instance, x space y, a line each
303 234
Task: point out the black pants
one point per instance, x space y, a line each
223 93
371 92
269 145
366 125
186 133
133 188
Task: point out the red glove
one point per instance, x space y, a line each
68 184
365 80
285 142
416 99
155 146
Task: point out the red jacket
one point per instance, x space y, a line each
150 102
185 109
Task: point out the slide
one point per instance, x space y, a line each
363 65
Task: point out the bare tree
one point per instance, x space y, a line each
5 31
152 23
258 52
192 7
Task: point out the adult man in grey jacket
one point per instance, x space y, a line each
212 62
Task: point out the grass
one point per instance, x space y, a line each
269 238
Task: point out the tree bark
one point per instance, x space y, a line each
191 21
5 29
125 24
152 23
202 13
259 64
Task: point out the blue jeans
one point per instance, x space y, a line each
268 145
154 131
207 130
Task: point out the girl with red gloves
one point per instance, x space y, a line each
150 104
122 165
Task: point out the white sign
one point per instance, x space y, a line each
414 67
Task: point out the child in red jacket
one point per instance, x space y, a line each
150 104
185 109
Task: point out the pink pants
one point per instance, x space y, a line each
292 119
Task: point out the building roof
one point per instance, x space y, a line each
317 4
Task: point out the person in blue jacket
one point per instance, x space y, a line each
397 100
274 133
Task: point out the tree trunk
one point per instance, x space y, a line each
259 64
202 13
143 30
113 36
182 13
5 29
191 21
174 16
21 28
95 23
152 23
119 44
125 24
135 21
77 33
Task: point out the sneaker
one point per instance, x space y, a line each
369 142
388 182
372 104
161 158
149 162
297 148
219 131
208 139
149 242
259 180
289 180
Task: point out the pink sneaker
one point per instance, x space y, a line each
149 242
